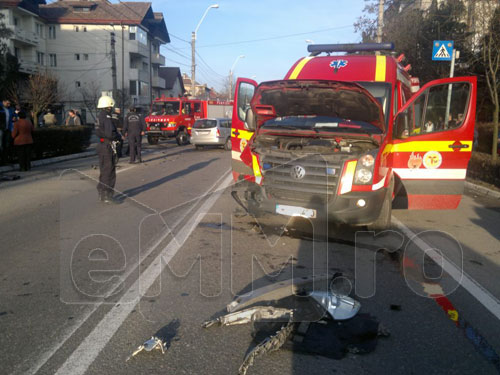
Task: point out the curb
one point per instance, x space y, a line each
482 190
37 163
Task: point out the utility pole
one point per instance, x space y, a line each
193 64
380 21
113 65
123 75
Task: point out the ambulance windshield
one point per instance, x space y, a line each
380 91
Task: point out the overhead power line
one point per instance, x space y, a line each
276 37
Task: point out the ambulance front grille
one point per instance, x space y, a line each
318 184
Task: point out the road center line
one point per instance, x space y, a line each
489 301
94 343
88 313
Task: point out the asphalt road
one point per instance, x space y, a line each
82 284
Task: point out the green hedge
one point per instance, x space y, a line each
481 167
485 139
60 140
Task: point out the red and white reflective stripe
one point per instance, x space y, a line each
430 174
236 155
379 185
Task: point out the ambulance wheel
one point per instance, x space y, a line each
152 140
227 145
384 220
182 138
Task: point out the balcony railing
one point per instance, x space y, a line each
137 48
157 58
25 36
26 66
139 75
158 82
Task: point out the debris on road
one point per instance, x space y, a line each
338 306
149 345
253 314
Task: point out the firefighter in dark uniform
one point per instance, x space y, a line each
107 133
134 129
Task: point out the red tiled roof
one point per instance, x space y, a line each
100 12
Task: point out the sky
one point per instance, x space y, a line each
280 26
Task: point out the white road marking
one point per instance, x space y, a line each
94 343
88 313
489 301
123 170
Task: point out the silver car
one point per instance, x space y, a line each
211 132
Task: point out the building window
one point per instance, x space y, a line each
145 66
39 30
136 33
16 21
52 59
40 58
77 56
52 32
76 28
86 57
78 84
17 53
133 87
84 29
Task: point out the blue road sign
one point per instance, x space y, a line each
442 50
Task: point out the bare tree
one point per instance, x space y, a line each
42 91
90 96
489 21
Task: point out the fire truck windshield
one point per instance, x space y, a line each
165 108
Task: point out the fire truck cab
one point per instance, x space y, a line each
172 117
344 137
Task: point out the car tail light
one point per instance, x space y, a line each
218 132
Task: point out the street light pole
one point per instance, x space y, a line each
231 76
193 50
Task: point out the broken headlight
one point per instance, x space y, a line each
364 170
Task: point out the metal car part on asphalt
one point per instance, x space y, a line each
339 307
149 345
278 290
253 314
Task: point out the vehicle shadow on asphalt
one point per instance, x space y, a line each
167 155
488 220
151 185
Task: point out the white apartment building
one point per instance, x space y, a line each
73 40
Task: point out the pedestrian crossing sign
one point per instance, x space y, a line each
442 50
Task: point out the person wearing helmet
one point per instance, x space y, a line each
107 133
134 130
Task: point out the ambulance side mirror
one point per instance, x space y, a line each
250 123
401 125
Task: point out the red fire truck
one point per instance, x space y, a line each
174 117
346 136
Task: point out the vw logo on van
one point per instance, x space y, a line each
298 172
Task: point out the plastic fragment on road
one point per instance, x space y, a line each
338 306
258 313
270 344
149 345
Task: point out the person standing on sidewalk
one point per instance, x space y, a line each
23 140
73 119
6 128
106 149
134 130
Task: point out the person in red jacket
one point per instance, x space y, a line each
23 140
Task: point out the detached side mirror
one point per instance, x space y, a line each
250 123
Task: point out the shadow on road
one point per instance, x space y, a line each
151 185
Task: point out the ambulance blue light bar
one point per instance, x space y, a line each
316 49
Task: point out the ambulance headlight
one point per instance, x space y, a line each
171 124
367 161
363 176
364 169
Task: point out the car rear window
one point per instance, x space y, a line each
205 124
